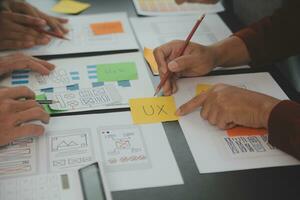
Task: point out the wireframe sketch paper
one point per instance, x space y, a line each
90 33
86 84
155 31
215 150
169 7
84 98
134 156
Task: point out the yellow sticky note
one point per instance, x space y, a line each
153 110
202 88
149 56
105 28
70 7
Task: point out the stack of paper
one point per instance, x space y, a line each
169 7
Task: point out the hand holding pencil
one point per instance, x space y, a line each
23 26
195 60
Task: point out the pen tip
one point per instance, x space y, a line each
156 91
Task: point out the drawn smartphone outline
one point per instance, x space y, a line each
97 179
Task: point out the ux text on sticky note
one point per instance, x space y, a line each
105 28
153 110
116 72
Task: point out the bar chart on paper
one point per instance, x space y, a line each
20 77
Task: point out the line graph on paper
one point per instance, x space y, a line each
61 143
69 149
123 148
18 158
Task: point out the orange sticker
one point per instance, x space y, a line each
105 28
149 56
242 131
202 88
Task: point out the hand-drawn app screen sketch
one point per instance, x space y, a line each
69 149
18 158
123 147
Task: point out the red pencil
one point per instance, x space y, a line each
50 33
187 41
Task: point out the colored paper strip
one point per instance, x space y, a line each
149 56
105 28
117 72
243 131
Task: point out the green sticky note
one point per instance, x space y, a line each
116 72
46 107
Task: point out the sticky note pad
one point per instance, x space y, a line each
116 72
243 131
105 28
202 88
153 110
70 7
149 56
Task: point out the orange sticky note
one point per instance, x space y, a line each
149 56
243 131
202 88
105 28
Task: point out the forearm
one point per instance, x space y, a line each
230 52
273 38
284 127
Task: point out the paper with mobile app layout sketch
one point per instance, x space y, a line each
89 33
241 148
127 151
95 85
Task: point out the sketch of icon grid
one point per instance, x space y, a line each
57 76
69 142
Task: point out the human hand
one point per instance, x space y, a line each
55 23
227 106
16 31
19 61
197 1
197 60
14 112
